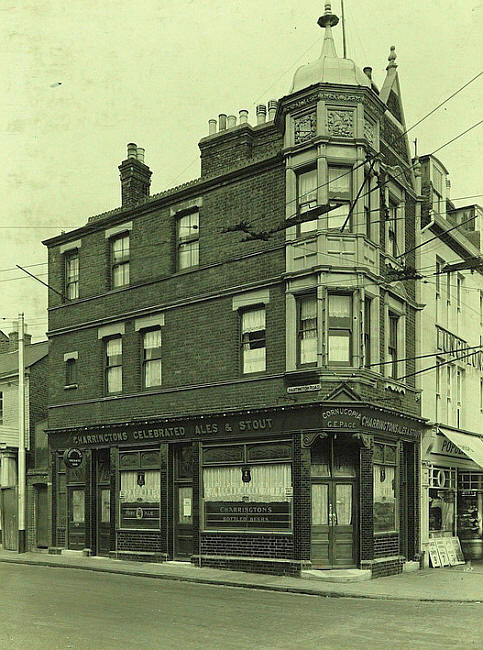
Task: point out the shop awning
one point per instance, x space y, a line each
469 445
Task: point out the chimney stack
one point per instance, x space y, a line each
4 342
135 177
13 341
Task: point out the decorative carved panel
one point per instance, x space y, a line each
341 123
305 127
308 439
369 132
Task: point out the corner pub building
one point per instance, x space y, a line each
242 400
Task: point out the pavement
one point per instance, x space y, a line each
463 584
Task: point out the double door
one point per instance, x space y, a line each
335 500
333 524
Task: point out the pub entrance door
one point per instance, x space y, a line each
183 501
103 502
334 470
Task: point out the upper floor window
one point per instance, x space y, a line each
253 340
113 361
340 329
1 407
393 344
367 331
120 261
368 206
307 329
70 372
188 240
152 358
306 198
340 191
71 274
392 228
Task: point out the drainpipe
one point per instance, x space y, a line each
431 222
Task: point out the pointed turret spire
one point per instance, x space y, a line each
392 58
328 20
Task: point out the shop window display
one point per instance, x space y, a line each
140 489
385 489
247 487
470 514
442 493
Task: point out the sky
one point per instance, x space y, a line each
81 79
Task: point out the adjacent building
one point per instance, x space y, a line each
452 384
37 509
232 362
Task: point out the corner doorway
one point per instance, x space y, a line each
334 472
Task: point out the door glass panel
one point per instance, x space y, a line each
343 504
344 459
320 458
320 510
185 495
78 504
105 506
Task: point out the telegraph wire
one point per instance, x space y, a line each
438 365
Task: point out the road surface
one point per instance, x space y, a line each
45 608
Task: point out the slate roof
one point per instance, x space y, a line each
33 353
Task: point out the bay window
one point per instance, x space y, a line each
247 486
385 488
340 192
307 329
140 488
306 198
253 340
340 329
392 346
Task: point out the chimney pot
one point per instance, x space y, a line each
221 122
231 121
272 109
140 154
211 127
261 113
367 71
132 150
243 116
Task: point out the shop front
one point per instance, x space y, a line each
452 494
273 490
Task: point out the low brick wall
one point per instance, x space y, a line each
139 540
242 544
387 566
280 567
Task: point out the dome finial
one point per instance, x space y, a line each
328 19
392 58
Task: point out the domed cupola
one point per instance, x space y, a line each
329 68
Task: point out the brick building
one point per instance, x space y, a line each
217 355
37 498
452 384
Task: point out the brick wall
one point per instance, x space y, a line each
386 545
139 540
366 517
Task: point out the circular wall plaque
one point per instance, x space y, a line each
73 457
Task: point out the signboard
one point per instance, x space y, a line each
238 514
139 515
73 458
303 389
186 507
445 447
253 424
433 554
460 558
443 553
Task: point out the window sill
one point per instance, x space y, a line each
394 385
389 533
70 386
